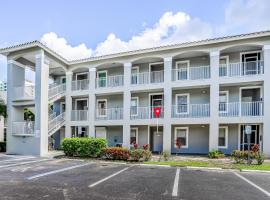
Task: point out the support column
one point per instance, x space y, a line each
41 102
127 100
214 101
266 92
92 102
68 129
167 126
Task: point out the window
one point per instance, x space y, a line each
134 75
134 136
182 68
182 103
134 106
251 62
223 63
223 137
102 78
102 107
181 133
223 101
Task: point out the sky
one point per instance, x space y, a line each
84 28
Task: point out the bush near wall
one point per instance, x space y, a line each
84 147
2 146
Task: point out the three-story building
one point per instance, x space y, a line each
207 92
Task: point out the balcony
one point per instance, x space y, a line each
110 81
79 85
191 73
144 113
238 109
79 115
25 128
191 111
24 93
241 69
147 77
109 114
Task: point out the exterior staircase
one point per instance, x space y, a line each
56 123
56 92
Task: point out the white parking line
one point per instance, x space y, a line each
105 179
253 184
56 171
16 159
176 182
23 163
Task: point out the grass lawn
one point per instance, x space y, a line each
214 163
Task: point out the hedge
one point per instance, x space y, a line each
2 146
84 147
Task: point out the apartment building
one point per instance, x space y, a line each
207 92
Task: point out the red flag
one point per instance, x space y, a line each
157 112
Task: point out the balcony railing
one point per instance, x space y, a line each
79 115
191 111
56 90
57 121
241 69
144 113
24 92
110 81
25 128
147 77
109 114
80 85
191 73
236 109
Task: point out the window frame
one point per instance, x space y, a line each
177 69
226 137
137 113
187 134
226 92
98 100
188 102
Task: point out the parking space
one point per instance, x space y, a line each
39 178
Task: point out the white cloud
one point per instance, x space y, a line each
170 28
61 46
246 16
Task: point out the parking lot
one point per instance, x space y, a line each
24 177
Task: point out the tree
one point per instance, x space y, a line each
3 110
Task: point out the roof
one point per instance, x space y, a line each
37 43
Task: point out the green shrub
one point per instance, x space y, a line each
116 153
259 158
147 155
215 154
166 155
83 147
2 146
240 156
137 154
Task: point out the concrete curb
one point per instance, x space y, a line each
255 171
152 165
208 168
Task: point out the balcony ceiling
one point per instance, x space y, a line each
242 48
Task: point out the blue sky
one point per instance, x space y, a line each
82 28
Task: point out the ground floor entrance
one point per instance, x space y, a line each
255 137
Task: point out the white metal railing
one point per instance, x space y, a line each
236 109
110 81
79 115
144 112
147 77
23 128
24 92
191 111
57 121
80 85
191 73
56 90
109 114
241 69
